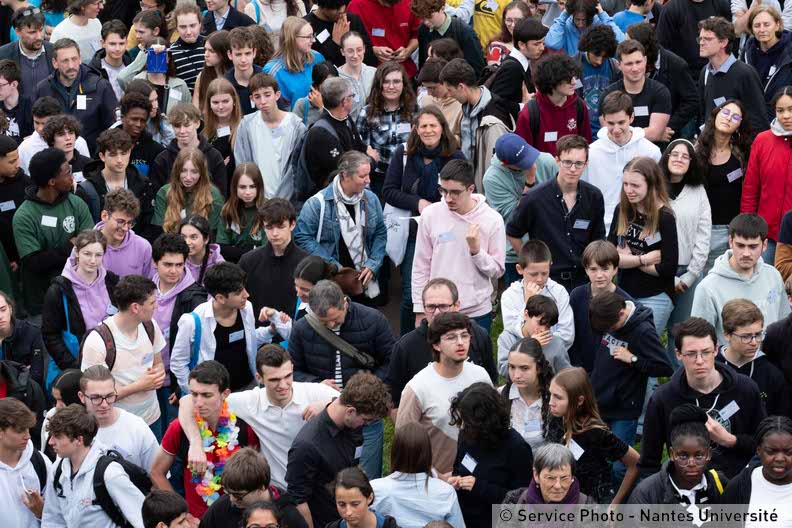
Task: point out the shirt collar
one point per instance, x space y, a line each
332 428
223 18
447 24
522 59
723 67
36 56
691 493
657 62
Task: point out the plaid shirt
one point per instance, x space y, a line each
383 133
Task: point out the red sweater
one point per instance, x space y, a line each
767 189
393 27
555 122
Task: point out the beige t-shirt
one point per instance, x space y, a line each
133 357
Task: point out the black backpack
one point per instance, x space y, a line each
37 460
139 477
533 116
297 168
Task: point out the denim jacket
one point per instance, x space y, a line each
319 233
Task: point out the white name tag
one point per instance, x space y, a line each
581 224
649 16
470 463
82 102
224 131
377 32
147 359
233 337
641 111
183 214
719 101
613 343
403 128
446 237
7 206
166 332
772 70
550 136
321 37
577 451
728 411
734 175
654 239
358 452
49 221
78 177
173 94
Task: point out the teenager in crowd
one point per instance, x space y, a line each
503 44
354 70
197 232
579 427
158 125
294 60
13 182
135 109
437 24
331 23
82 26
141 34
222 116
165 509
15 106
243 52
308 109
61 132
171 90
679 481
20 341
187 51
222 15
241 229
597 49
353 498
576 17
216 64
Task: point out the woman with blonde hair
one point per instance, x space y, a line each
294 60
241 229
222 115
768 50
216 64
190 192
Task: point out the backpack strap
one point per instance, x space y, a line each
149 327
321 216
717 480
103 498
533 119
109 342
37 460
66 311
196 344
56 485
307 104
258 11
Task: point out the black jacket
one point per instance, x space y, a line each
736 388
658 489
123 10
25 346
270 279
777 78
144 153
11 52
20 386
778 346
235 19
508 80
674 74
460 32
364 328
12 190
161 170
619 387
412 352
96 61
325 149
772 386
740 82
24 116
53 320
101 102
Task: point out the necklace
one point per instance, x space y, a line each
222 444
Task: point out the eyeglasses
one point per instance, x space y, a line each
124 223
98 3
725 112
453 194
397 82
680 156
312 37
705 40
698 460
549 479
453 338
511 21
706 354
238 496
271 525
568 164
432 308
97 400
28 12
747 338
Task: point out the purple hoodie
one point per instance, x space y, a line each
164 312
131 257
94 299
214 258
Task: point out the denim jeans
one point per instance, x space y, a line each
719 243
484 321
681 311
168 412
406 315
768 255
624 430
156 428
371 458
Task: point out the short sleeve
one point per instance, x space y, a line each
159 341
172 438
93 351
244 403
614 447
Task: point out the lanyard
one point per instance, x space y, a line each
713 405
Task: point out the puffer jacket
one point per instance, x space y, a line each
26 346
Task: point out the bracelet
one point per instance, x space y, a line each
640 260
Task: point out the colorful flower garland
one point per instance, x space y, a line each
223 446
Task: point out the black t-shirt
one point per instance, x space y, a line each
12 194
231 352
724 190
223 513
653 99
675 189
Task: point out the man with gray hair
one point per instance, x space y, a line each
338 339
333 133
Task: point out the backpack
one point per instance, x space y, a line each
93 200
297 168
109 341
37 461
533 116
139 477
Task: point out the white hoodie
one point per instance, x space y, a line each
513 308
607 161
11 489
75 508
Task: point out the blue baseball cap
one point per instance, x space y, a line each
513 150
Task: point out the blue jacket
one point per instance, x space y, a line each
564 35
318 231
293 85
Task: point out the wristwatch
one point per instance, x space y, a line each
634 359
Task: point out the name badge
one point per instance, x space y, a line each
728 411
654 239
277 133
772 70
550 136
166 332
581 224
492 5
7 206
734 175
719 101
224 131
183 214
641 111
147 359
377 32
358 452
403 128
578 84
78 177
49 221
577 451
233 337
173 94
111 310
533 426
321 37
235 228
649 16
470 463
446 237
82 102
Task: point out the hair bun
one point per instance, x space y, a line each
687 413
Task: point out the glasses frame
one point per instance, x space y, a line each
93 399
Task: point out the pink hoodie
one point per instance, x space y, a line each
441 250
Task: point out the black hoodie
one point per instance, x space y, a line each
20 386
772 385
144 153
12 194
734 389
96 61
618 386
161 170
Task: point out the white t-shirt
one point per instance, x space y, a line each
87 37
133 357
112 75
132 438
766 497
276 427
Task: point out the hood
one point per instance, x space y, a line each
544 102
639 315
680 380
123 245
778 130
611 147
23 460
722 357
30 194
203 145
186 281
724 269
486 97
79 285
475 214
779 49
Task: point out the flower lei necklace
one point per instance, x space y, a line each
222 446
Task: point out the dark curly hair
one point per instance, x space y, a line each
553 70
694 175
740 140
645 34
598 39
688 421
484 414
376 101
544 375
589 7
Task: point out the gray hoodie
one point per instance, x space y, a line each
765 289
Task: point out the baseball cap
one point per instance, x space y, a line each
513 150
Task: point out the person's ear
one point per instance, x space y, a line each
225 394
277 95
764 245
632 118
292 225
520 269
103 215
581 399
230 55
81 396
731 242
259 379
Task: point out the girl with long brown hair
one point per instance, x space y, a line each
579 427
216 64
294 60
385 122
222 115
644 231
189 192
241 229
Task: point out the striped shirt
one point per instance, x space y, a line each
188 59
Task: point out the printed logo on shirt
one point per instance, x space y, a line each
612 343
69 224
334 153
572 124
487 7
772 297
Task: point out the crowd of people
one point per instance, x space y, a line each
206 207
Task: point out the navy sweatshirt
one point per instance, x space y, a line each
772 385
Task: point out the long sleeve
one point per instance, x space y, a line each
652 355
422 264
128 74
505 341
383 347
688 102
182 348
565 328
376 255
501 195
410 408
464 11
701 245
297 350
52 516
53 322
397 377
392 188
605 18
243 148
491 260
556 35
783 260
704 305
753 97
751 189
305 232
669 259
668 29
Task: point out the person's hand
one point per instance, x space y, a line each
681 287
331 383
373 154
158 48
313 409
530 289
719 434
365 276
383 53
423 204
473 239
340 27
622 354
544 337
33 502
418 318
196 459
192 521
652 258
453 481
315 98
152 379
173 399
400 55
284 317
466 483
599 8
14 266
667 134
265 313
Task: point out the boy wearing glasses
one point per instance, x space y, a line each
426 398
119 430
743 325
731 400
